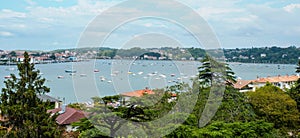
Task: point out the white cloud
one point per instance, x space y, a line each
6 34
210 12
57 0
30 2
6 13
291 7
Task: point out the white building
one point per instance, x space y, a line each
280 81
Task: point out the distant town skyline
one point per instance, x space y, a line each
58 24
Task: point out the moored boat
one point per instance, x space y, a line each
70 71
7 77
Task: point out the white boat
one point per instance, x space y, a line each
96 70
7 77
102 78
140 73
60 77
162 75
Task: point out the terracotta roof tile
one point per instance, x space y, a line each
277 79
241 83
69 116
138 93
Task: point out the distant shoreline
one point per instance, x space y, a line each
60 62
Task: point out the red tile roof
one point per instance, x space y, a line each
69 116
277 79
241 83
138 93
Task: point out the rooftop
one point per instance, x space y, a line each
138 93
69 116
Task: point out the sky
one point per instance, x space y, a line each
59 24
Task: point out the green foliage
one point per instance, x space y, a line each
13 54
294 93
274 105
26 113
79 106
274 54
234 107
212 70
237 129
83 125
197 52
298 67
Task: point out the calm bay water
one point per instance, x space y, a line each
117 76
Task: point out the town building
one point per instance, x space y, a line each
138 93
283 82
53 101
67 116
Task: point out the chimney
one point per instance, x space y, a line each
63 109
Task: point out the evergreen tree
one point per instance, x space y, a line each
212 69
294 93
298 67
26 114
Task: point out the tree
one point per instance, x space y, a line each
53 57
238 130
294 93
298 67
274 105
13 54
212 69
27 114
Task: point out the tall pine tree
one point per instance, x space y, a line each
212 69
26 114
298 67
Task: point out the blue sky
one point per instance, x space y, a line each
56 24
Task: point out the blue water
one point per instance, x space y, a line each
125 75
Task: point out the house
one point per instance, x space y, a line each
244 85
55 102
280 81
263 55
21 59
127 95
67 116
